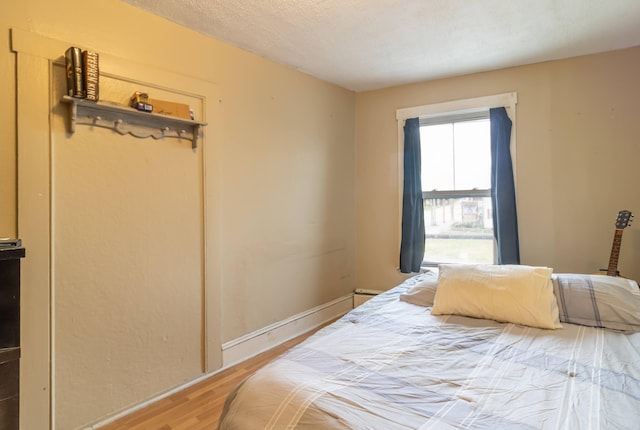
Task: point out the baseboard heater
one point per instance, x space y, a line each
361 295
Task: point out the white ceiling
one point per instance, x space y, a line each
371 44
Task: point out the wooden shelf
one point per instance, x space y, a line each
127 120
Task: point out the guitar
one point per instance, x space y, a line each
623 221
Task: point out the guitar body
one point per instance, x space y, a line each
623 221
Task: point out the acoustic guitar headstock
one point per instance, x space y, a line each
624 219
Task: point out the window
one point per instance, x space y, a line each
455 146
456 186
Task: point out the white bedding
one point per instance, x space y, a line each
389 364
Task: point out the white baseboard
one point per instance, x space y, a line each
270 336
252 344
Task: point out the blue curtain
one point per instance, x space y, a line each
413 236
503 193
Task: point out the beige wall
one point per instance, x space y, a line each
279 210
577 161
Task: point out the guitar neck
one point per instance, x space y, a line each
612 269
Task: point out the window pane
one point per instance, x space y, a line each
436 147
456 156
458 230
472 156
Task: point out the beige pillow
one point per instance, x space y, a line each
506 293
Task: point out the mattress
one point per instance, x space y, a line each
389 364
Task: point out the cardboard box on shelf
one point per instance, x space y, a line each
163 107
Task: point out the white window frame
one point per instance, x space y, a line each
455 107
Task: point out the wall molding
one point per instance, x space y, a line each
261 340
37 59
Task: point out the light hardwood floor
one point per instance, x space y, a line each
198 407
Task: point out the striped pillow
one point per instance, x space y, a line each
598 301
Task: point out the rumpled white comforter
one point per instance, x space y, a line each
392 365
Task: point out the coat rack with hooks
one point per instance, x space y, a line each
126 120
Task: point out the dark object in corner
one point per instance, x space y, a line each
10 336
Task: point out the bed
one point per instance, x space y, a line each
401 361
